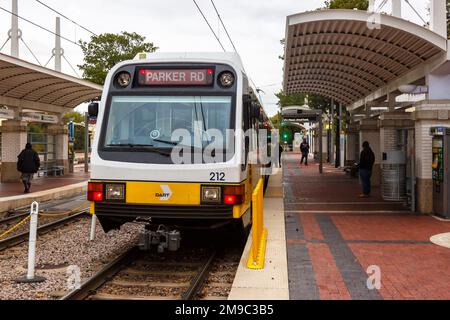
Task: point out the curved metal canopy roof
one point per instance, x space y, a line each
23 84
335 53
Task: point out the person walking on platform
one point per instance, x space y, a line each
366 162
28 164
304 149
280 154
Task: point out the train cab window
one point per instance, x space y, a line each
150 121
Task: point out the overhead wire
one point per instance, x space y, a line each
209 25
39 26
223 25
416 12
65 17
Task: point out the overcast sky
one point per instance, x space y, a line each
256 27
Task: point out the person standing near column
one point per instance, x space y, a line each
366 162
304 149
28 164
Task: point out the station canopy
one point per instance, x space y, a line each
338 54
26 85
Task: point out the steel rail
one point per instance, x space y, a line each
100 278
15 217
22 237
197 283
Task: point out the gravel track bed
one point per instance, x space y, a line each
141 291
69 245
173 278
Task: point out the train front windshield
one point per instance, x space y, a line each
151 121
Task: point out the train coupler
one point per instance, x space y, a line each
163 238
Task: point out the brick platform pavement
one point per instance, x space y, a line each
43 184
333 237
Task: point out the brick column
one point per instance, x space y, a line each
14 139
389 123
369 131
428 114
351 144
61 136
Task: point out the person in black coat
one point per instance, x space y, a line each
366 162
28 164
280 154
304 149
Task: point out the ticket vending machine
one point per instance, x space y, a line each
441 171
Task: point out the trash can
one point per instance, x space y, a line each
393 172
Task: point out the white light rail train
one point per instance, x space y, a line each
179 143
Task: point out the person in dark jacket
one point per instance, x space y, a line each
28 164
280 154
304 149
366 162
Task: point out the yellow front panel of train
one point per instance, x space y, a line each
160 193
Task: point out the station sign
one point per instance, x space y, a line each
6 114
176 77
39 118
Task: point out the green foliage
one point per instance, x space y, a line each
296 99
347 4
77 118
106 50
36 128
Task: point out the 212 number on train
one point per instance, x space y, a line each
217 176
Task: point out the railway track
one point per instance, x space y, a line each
43 229
137 275
66 210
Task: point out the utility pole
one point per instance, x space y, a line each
15 33
58 51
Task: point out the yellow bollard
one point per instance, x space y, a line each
259 233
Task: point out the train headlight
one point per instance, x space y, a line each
226 79
123 79
115 192
211 195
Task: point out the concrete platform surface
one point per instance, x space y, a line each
271 283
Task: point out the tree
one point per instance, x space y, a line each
77 118
295 99
106 50
347 4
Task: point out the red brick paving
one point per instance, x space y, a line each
310 227
329 280
42 184
398 242
408 271
419 228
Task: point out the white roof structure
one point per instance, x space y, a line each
26 85
340 55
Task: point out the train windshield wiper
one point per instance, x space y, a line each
166 142
131 145
150 146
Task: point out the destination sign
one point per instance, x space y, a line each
176 77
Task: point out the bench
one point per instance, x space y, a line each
53 171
